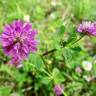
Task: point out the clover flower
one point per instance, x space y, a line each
87 65
18 40
78 69
58 89
87 27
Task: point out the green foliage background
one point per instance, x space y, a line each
56 22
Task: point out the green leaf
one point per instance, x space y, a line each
75 86
5 91
58 36
46 80
14 74
61 30
57 76
72 35
68 54
77 48
36 60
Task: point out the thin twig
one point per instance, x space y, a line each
48 52
45 64
78 39
53 50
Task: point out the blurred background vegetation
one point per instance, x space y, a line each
56 22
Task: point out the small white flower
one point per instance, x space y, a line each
26 18
20 66
88 78
53 3
52 16
87 66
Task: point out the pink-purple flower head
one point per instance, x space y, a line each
18 39
58 89
87 27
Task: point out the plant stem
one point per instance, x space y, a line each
53 50
65 94
47 73
48 52
78 39
45 64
